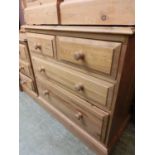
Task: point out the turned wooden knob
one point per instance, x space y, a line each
37 46
79 115
78 56
79 87
42 69
46 92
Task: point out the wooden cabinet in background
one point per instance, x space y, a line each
40 11
26 74
97 12
79 12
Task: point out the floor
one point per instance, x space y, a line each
41 134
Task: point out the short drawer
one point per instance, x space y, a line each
91 89
91 119
99 55
23 52
25 68
26 83
41 44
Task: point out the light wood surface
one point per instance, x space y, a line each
41 14
94 54
22 35
73 92
25 63
42 44
90 119
93 144
38 2
26 82
23 52
25 68
97 12
85 29
95 91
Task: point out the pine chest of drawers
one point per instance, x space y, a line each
85 78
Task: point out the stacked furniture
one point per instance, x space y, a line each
26 74
84 74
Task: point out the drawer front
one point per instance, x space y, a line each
93 120
26 82
102 56
94 90
25 69
23 52
98 12
41 44
44 13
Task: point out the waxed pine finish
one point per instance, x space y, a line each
79 69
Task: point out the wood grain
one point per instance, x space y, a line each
94 90
97 12
25 68
93 144
38 2
42 14
45 44
23 52
91 120
26 82
98 55
67 81
84 29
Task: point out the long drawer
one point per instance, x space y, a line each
25 68
90 118
96 91
99 55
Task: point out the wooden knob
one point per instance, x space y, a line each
37 46
79 115
78 56
79 87
46 92
42 69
